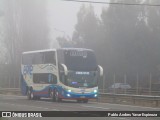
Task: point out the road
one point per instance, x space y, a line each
20 103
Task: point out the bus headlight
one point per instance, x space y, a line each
69 90
95 95
95 91
68 95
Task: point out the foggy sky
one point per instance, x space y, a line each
62 17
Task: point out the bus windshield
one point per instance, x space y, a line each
81 65
80 60
82 79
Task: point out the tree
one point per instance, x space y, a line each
2 35
88 31
34 25
65 42
126 39
86 28
26 30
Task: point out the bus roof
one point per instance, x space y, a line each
75 49
47 50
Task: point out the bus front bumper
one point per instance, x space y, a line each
79 96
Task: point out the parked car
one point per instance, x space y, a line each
120 86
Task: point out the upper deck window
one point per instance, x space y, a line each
39 58
50 58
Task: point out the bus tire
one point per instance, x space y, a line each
51 95
30 94
56 96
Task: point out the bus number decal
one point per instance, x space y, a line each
27 70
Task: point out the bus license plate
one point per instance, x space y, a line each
82 96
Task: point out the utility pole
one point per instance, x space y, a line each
137 84
150 83
125 82
114 81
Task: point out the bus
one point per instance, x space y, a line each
64 73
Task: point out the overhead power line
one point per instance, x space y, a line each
113 3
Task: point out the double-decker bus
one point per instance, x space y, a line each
66 73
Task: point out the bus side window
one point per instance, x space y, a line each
36 78
37 58
52 79
50 58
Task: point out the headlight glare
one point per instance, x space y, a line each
95 91
68 95
69 90
95 95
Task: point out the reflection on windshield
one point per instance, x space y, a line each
82 80
80 60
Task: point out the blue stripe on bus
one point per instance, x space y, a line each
75 95
23 86
43 92
63 93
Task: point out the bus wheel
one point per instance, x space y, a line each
56 96
85 101
30 94
51 94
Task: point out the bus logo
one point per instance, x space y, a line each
27 70
82 90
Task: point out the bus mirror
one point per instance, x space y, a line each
65 69
100 70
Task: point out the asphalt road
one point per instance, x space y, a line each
20 103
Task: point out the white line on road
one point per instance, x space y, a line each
13 96
30 106
96 103
95 107
127 105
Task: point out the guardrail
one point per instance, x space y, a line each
142 100
10 91
141 91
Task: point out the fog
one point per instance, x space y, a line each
125 38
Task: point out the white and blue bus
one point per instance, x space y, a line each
66 73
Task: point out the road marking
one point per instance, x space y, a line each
13 95
95 107
76 106
30 106
127 105
94 103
